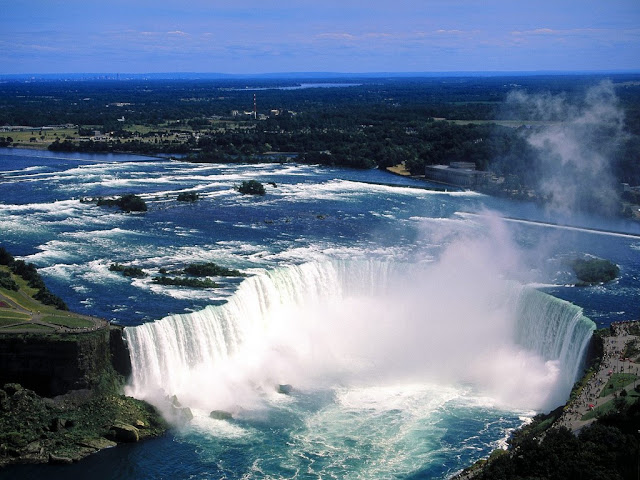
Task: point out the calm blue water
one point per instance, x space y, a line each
428 429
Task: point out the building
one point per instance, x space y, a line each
99 137
461 174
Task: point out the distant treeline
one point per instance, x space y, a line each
379 122
156 102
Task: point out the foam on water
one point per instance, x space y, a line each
321 324
409 364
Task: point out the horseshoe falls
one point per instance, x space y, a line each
408 337
380 358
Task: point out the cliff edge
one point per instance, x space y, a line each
62 400
62 376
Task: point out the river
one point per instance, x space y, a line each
402 317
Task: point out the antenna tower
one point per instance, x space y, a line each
255 108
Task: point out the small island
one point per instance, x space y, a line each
188 197
591 271
127 203
211 270
251 187
133 272
185 282
184 277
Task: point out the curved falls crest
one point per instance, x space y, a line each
361 323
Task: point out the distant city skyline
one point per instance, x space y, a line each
254 37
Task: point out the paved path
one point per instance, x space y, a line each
613 362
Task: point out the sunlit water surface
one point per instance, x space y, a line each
388 374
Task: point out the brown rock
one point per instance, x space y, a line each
125 433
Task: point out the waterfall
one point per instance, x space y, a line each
164 351
555 329
345 321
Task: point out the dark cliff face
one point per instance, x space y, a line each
52 365
84 371
120 357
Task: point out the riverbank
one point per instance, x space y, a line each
603 410
63 375
67 428
496 188
616 374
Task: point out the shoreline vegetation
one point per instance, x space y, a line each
406 124
73 368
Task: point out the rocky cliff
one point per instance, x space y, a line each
62 400
52 365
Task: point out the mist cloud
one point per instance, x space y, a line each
575 146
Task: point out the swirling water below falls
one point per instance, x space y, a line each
389 370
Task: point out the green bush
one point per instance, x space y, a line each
188 197
126 203
211 270
7 282
46 297
5 257
251 187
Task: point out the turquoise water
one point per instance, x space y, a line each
391 309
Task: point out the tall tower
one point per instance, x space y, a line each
255 107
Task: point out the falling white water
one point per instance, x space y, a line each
325 324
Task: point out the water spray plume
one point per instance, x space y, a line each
316 326
575 147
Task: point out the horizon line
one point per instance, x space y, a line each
326 74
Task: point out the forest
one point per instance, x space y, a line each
358 122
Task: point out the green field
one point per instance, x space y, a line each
69 321
13 319
618 381
42 140
27 326
9 318
610 406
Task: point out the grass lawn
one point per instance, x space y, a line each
13 316
68 321
49 314
609 407
24 297
28 326
26 301
47 137
618 381
10 321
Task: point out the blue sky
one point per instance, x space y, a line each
251 36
